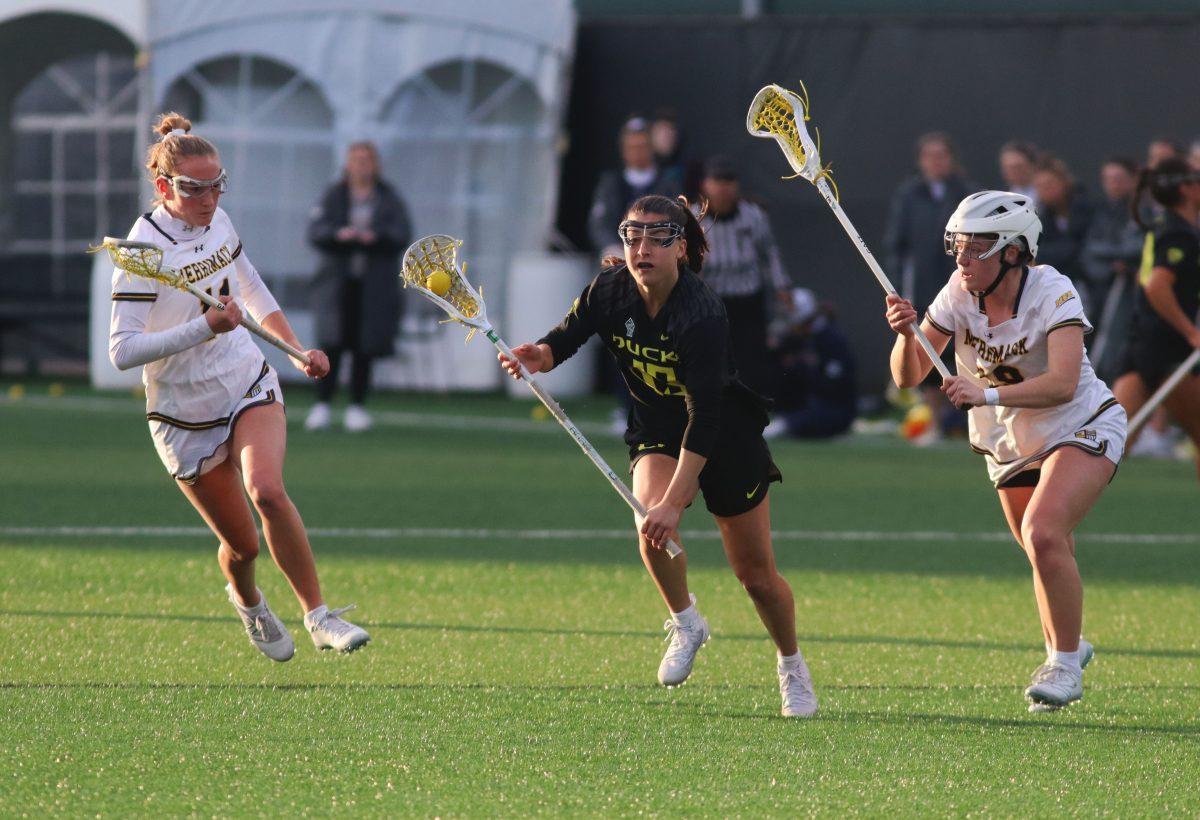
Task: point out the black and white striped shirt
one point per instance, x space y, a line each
742 256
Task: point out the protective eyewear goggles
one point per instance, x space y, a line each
971 245
662 233
188 187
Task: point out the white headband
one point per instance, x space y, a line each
177 132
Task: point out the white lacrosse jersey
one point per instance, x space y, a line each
1013 351
200 384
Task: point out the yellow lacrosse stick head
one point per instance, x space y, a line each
137 258
431 266
781 115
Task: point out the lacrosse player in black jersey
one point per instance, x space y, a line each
694 428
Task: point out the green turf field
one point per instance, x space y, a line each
516 637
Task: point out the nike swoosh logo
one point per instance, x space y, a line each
752 492
655 447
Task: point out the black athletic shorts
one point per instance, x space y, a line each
735 478
1154 359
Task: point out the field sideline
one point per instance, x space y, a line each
516 636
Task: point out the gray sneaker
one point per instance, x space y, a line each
266 632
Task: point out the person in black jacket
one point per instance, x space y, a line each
695 427
361 227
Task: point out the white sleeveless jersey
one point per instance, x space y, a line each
1013 351
200 384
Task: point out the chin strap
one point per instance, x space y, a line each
1005 267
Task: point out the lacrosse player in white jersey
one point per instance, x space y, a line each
1051 432
214 405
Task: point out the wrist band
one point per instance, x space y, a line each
991 396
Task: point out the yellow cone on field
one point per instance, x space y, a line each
16 392
539 413
439 282
55 390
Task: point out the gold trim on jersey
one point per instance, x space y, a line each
1106 405
1066 323
134 296
938 327
221 422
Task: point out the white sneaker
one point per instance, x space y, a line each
266 632
1054 687
319 417
357 419
330 631
685 642
795 685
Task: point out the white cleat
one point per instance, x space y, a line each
685 641
330 631
795 685
1086 653
319 417
266 632
1054 687
357 419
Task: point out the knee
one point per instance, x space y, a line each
1045 543
242 550
268 495
757 581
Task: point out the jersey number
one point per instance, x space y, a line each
1001 374
224 291
658 378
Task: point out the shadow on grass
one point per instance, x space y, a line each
870 640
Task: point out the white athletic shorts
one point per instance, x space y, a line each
189 449
1102 436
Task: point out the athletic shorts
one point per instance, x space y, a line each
1155 360
739 469
190 448
1101 436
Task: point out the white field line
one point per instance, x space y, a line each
390 418
450 533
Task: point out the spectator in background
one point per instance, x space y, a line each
1112 250
817 395
744 268
1162 147
667 142
1065 215
1194 155
360 228
1017 162
915 253
616 191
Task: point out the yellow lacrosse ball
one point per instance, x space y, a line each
439 282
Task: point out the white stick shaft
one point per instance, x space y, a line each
869 258
639 511
249 323
1162 392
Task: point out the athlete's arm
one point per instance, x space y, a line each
909 363
1160 293
662 520
1064 350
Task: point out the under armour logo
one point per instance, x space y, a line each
198 248
629 327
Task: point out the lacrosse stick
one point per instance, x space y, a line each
145 259
431 267
1108 315
1162 392
780 114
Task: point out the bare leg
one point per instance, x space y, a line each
1132 393
1014 501
258 445
651 476
1183 404
747 541
217 496
1071 482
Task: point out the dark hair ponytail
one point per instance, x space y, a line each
1163 181
679 211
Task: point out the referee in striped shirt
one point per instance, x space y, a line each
744 268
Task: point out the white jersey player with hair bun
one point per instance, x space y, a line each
1051 432
197 381
214 405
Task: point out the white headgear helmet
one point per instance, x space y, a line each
1008 215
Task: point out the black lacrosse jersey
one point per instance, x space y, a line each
678 365
1176 246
